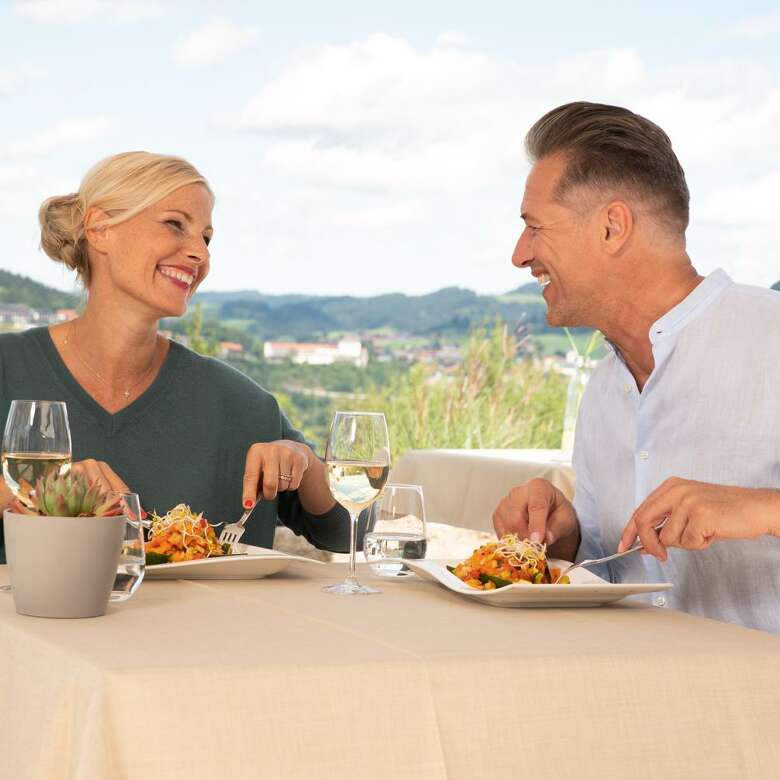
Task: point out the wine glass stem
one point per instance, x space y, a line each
353 523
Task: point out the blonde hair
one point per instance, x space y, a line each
122 186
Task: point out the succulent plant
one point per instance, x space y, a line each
66 495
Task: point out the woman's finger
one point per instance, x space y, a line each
252 476
113 479
270 475
287 475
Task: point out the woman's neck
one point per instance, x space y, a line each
114 354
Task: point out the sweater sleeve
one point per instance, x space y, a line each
329 531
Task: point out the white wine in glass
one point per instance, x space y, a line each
357 458
36 443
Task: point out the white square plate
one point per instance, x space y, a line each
258 562
585 590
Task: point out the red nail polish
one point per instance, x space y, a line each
144 514
248 503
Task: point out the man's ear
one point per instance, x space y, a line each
617 225
96 232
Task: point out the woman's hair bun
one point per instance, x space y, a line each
62 231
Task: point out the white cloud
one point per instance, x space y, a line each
70 11
212 43
752 28
433 138
65 133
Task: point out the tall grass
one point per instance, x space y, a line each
492 400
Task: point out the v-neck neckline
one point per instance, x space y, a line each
111 422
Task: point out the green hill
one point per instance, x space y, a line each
776 285
15 288
450 311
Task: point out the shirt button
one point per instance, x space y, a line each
659 601
643 454
627 388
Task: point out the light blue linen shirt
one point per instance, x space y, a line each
710 411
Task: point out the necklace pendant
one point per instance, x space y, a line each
127 394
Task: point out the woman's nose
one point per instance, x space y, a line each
198 252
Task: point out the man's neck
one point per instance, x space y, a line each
643 301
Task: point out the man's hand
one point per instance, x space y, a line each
699 514
540 512
274 467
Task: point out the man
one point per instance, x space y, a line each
685 407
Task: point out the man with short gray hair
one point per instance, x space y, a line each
680 423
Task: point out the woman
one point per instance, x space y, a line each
147 414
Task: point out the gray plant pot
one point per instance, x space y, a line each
62 567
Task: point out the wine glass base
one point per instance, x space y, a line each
350 588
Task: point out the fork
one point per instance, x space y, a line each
592 561
232 533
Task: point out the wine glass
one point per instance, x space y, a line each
132 561
358 461
36 443
396 530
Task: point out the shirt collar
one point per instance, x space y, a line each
691 306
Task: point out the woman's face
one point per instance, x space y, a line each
160 256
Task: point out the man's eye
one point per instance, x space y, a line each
207 240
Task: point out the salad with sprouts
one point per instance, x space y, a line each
181 535
509 561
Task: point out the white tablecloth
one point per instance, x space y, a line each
275 679
463 487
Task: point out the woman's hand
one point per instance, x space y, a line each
274 467
699 514
100 472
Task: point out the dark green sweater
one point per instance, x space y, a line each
184 440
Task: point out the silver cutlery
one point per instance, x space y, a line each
592 561
232 533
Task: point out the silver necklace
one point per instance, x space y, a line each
127 390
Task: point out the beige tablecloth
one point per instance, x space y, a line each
274 679
463 487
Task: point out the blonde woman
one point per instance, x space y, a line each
145 412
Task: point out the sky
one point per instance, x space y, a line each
360 149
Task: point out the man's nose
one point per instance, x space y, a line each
522 256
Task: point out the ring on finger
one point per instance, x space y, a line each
286 477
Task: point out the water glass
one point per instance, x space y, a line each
396 530
132 561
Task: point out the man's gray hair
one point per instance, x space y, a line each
610 148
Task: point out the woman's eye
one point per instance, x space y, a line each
207 240
175 223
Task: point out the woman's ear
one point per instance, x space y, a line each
96 232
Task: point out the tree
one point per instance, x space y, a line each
198 341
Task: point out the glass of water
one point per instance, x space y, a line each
132 561
396 530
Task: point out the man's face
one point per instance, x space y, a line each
558 246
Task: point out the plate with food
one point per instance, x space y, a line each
514 572
183 545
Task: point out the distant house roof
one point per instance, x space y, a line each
293 346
